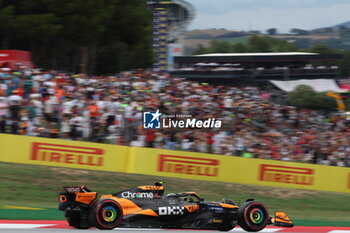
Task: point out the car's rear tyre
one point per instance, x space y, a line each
106 214
252 216
76 219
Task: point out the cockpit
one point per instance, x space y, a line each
186 197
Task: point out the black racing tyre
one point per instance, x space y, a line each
106 214
76 223
252 216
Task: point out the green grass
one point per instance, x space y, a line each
37 186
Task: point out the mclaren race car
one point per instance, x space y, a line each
148 207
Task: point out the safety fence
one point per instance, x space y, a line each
171 163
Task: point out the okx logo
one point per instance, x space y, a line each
151 120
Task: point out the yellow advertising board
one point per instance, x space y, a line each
238 170
62 153
171 163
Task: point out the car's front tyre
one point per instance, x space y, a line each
252 216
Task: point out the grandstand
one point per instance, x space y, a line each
170 19
181 13
256 67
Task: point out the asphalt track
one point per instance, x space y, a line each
76 231
148 231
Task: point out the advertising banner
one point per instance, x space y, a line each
172 163
62 153
232 169
175 164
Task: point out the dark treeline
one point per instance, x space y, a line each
88 36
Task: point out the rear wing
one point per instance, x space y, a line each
76 189
75 195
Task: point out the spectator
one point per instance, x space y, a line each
3 113
109 110
150 137
136 142
15 104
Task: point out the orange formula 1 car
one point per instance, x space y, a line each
146 206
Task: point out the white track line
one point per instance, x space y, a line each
23 226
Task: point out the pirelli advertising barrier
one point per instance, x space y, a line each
62 153
170 163
238 170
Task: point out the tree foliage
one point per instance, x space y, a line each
298 31
254 44
304 96
343 64
93 36
321 49
272 31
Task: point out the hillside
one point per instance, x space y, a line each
334 27
336 37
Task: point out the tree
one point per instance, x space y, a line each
304 96
259 44
271 31
301 96
254 44
344 64
6 25
78 35
200 50
344 32
283 46
298 31
321 49
322 101
219 46
239 48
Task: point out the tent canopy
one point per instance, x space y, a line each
318 85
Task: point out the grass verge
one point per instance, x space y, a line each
37 186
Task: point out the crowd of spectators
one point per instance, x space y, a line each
110 109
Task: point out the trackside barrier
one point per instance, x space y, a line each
238 170
170 163
62 153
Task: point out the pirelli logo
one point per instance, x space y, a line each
188 165
288 175
59 153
